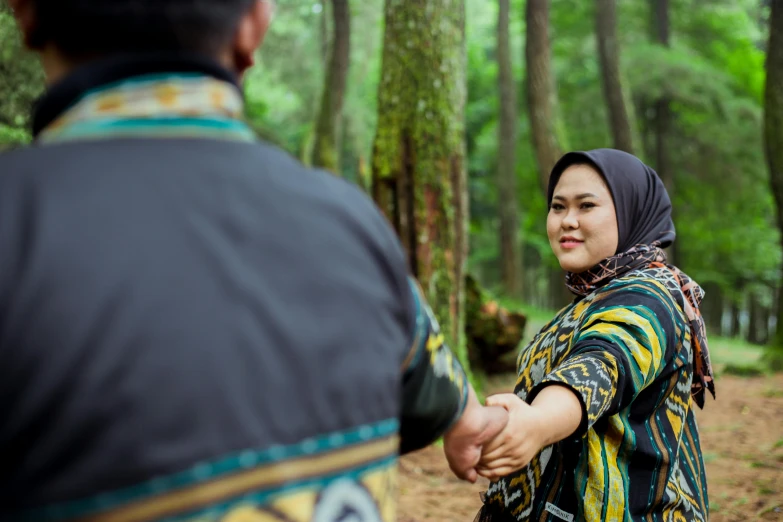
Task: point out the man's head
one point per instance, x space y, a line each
69 32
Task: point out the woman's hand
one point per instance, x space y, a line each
555 414
520 441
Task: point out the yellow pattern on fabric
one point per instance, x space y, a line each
615 497
264 477
594 495
637 317
152 98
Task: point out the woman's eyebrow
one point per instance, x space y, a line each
580 196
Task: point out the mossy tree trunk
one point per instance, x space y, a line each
418 166
326 148
773 135
508 206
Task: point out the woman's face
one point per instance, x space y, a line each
582 223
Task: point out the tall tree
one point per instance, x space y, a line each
324 32
620 121
326 148
510 257
541 90
773 132
663 112
544 117
419 176
661 26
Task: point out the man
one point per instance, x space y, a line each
194 326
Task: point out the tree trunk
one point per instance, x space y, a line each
325 34
773 132
758 322
663 112
559 295
736 319
712 308
541 90
510 257
609 59
531 261
326 147
419 177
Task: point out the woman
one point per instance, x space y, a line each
601 425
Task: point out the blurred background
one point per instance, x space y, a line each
450 113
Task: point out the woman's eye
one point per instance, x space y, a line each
587 206
556 206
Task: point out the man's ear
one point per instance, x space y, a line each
250 33
24 13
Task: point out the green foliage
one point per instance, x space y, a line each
713 73
21 82
284 89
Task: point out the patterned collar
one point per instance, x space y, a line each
142 96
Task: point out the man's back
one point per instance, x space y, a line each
188 309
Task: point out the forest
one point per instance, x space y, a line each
451 113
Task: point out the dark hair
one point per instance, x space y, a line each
83 28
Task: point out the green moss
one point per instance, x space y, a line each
420 137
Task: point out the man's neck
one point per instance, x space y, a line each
57 66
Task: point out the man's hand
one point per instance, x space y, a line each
463 444
518 443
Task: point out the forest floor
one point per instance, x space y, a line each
742 440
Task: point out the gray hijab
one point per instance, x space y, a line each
642 205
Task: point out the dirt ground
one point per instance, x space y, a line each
742 440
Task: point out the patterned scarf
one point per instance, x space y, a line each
169 105
679 285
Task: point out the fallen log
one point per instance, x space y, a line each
492 332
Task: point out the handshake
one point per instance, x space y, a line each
504 436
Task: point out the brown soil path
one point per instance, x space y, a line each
742 438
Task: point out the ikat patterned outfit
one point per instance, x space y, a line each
625 348
396 388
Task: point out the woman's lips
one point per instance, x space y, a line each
569 243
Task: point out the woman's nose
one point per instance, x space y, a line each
570 221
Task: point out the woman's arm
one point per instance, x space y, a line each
621 348
556 413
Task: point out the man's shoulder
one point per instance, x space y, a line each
339 195
266 163
257 166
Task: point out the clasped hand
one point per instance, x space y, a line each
503 437
514 447
495 440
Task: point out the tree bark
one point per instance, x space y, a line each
620 120
510 256
326 146
418 166
773 133
663 112
541 90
